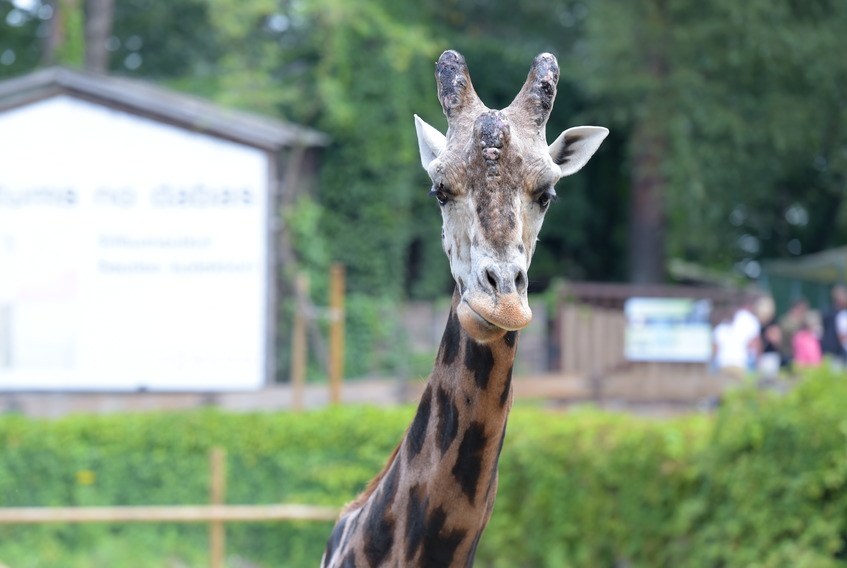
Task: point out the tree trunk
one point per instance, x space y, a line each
57 34
99 17
647 215
648 149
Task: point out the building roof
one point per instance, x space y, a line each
826 267
145 99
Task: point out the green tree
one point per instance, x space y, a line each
356 71
734 118
20 47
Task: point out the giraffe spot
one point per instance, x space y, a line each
484 217
415 521
450 340
417 431
480 360
492 481
497 458
504 396
472 552
511 338
448 420
379 526
335 538
468 465
502 439
439 544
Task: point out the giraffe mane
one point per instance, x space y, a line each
374 483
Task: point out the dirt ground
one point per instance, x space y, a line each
631 390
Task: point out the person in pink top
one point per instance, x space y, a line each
807 344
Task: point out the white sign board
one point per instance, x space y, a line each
668 329
133 254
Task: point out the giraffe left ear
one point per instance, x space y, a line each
430 142
575 146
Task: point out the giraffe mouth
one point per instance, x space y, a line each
480 320
476 326
487 317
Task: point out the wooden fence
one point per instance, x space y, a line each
216 513
587 340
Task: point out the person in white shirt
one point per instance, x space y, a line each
739 345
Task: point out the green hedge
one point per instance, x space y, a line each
760 483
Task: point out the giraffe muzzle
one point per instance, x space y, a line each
488 316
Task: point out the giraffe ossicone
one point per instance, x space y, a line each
492 175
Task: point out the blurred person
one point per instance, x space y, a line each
834 334
721 335
791 322
807 344
769 357
740 344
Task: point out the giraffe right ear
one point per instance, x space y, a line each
430 142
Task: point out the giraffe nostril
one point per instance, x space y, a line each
492 279
520 281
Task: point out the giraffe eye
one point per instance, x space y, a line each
545 198
440 195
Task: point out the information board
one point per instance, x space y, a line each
133 254
668 329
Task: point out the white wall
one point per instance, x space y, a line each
132 253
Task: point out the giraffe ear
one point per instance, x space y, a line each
575 146
430 142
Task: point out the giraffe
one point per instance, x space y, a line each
492 176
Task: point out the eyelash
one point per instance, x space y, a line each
439 194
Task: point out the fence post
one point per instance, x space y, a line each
299 345
217 496
336 332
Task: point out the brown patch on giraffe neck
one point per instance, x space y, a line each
480 369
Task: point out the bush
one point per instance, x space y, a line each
760 483
162 459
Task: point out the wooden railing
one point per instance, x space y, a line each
216 513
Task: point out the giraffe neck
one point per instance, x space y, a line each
432 501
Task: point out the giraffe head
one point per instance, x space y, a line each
493 176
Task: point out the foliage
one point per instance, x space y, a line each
166 41
318 458
763 482
20 50
748 98
750 105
